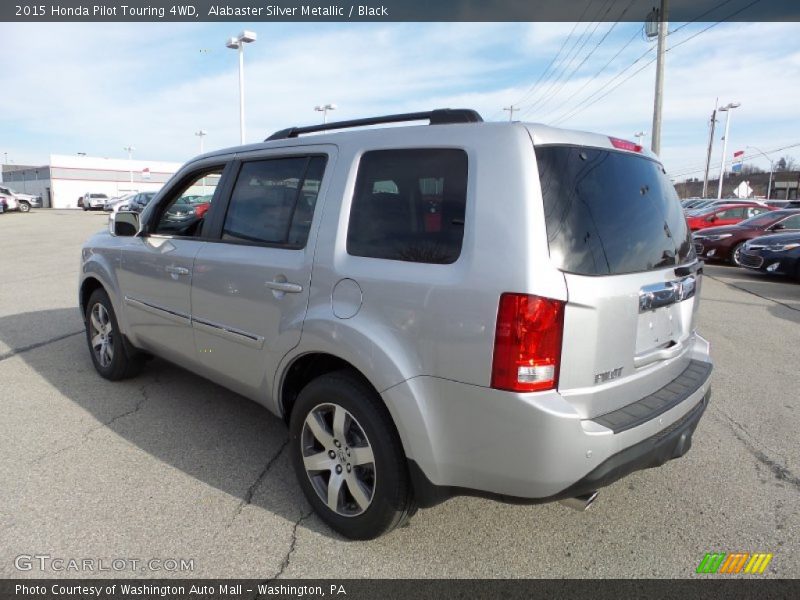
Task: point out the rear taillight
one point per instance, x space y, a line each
527 343
625 145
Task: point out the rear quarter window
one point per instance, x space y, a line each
409 205
609 212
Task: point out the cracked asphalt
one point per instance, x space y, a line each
168 465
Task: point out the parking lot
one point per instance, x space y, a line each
168 465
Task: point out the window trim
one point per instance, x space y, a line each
352 199
218 227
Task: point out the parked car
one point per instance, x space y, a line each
113 204
20 202
777 254
138 202
93 201
419 341
188 208
784 203
723 214
725 243
697 204
709 204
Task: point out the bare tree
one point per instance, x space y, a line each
785 163
750 169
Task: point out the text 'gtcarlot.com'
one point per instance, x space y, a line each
45 562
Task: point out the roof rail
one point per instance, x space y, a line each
439 116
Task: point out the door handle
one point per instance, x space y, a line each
285 286
176 270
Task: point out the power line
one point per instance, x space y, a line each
683 173
605 66
584 106
591 52
552 61
557 84
560 69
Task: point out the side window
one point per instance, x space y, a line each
185 212
273 201
409 205
792 222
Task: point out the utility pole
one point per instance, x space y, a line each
511 110
710 146
659 96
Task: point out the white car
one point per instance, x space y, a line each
115 204
20 202
94 201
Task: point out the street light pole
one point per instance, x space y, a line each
237 43
727 109
324 108
639 135
129 150
201 134
771 169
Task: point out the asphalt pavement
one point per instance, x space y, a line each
169 466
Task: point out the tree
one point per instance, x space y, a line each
750 169
785 163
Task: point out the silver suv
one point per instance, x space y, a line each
494 309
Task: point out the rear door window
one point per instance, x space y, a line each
609 212
409 205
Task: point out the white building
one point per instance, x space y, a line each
67 178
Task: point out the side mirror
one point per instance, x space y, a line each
711 218
777 227
123 224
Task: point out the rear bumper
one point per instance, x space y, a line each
534 448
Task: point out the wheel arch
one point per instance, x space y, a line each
303 369
88 286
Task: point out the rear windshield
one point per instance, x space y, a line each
610 212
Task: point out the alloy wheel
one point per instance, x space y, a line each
102 335
737 255
338 459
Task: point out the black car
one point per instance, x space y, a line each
778 254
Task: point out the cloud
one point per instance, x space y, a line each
93 88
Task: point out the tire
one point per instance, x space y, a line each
374 490
24 207
112 356
735 254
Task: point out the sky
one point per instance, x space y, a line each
96 88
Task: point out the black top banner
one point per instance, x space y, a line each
400 10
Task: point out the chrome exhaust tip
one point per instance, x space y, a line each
580 503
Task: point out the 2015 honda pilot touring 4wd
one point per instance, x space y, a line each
459 307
